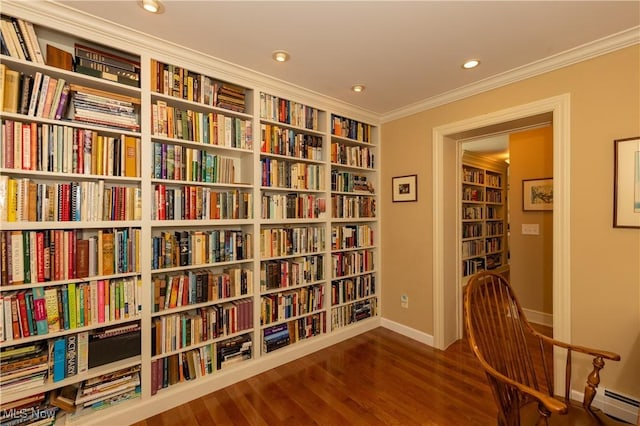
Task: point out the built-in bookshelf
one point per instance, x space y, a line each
293 255
354 226
203 223
202 235
71 227
484 215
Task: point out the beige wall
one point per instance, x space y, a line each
531 157
605 262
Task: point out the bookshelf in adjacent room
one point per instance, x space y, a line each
70 231
354 228
293 228
202 233
483 227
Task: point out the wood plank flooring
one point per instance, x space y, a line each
377 378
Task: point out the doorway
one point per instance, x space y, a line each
513 238
447 306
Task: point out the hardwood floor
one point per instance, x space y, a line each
377 378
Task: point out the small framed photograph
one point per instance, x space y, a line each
404 188
537 194
626 183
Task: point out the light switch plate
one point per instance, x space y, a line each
530 229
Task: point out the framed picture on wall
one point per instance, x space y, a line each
626 183
404 188
537 194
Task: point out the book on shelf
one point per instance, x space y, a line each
106 57
11 95
59 58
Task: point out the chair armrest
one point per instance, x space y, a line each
552 404
582 349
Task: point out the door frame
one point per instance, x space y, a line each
446 324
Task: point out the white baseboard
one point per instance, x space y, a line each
411 333
622 411
538 317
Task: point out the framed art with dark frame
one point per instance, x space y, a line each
404 188
537 194
626 183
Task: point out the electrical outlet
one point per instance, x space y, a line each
404 301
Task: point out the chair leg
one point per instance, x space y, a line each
593 380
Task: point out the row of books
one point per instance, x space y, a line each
352 262
276 274
196 363
279 173
200 203
282 141
40 311
349 128
30 201
285 111
472 266
58 254
183 366
38 95
350 289
63 149
185 248
275 242
209 128
472 213
472 175
354 156
282 306
185 84
181 330
351 236
282 335
293 206
347 206
472 230
104 108
18 39
191 165
192 287
472 248
348 314
350 182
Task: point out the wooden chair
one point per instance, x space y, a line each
501 337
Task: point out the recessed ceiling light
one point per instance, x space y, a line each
280 55
153 6
471 64
357 88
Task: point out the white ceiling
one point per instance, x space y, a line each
405 52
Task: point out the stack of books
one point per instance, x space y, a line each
107 65
230 97
109 389
104 108
33 410
23 367
276 337
234 350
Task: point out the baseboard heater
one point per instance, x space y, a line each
620 406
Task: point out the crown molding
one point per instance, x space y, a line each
582 53
82 25
55 15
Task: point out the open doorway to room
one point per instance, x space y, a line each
446 183
502 229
